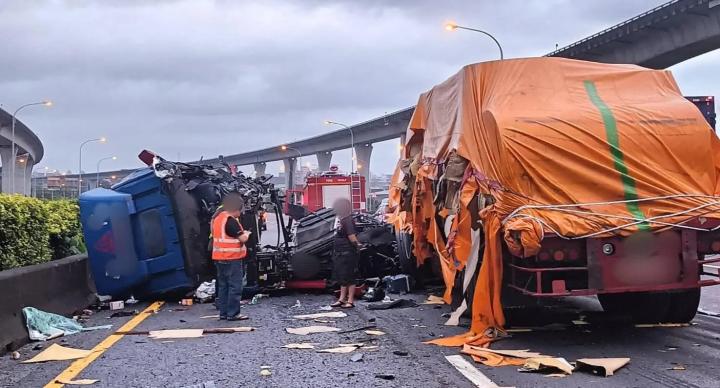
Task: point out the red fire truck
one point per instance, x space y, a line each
323 188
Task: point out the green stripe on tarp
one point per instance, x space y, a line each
613 139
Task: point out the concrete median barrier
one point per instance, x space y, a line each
61 286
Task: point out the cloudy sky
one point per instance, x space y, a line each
192 78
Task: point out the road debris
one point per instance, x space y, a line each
332 314
15 355
43 326
357 357
186 302
374 332
176 333
256 299
325 308
297 304
76 382
339 349
433 299
305 345
601 366
677 367
491 357
358 329
547 365
393 304
123 313
265 370
205 292
648 325
117 305
311 330
385 376
401 353
57 352
210 316
132 300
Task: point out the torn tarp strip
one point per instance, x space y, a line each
613 140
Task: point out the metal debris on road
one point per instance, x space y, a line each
311 330
332 314
602 366
57 352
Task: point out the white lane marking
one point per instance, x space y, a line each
470 372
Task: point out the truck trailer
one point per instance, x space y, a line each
549 177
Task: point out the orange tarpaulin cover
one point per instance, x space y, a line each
573 148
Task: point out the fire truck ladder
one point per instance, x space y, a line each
355 190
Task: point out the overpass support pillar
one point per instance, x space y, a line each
362 163
23 172
290 166
324 158
259 168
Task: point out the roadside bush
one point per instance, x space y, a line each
33 231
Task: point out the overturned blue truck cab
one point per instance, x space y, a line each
149 235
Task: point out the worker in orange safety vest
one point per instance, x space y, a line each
228 252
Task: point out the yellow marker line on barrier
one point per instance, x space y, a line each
79 365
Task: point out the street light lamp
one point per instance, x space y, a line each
352 142
97 174
100 140
13 152
453 27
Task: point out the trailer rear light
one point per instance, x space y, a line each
715 246
573 254
544 256
608 249
559 255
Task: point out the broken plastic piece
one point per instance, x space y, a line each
339 349
602 366
433 299
357 357
374 332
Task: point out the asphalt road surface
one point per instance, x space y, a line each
660 357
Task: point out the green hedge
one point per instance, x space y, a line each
34 231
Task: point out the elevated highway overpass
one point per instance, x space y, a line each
29 152
659 38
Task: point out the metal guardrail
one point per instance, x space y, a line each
617 26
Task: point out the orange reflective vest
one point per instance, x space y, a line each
225 247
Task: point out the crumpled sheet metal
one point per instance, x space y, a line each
555 131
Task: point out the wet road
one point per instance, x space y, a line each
235 360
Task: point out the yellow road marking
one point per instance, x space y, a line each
79 365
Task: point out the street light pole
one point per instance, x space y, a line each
101 140
23 161
352 143
453 26
300 155
97 174
13 152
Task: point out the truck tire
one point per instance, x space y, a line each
683 305
639 307
407 261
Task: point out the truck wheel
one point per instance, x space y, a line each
406 259
683 305
639 307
